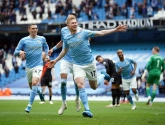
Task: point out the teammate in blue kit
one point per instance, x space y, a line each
82 58
125 68
66 66
31 48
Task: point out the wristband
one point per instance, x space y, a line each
54 48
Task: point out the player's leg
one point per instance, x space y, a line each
126 88
49 85
43 93
79 76
148 93
29 78
36 74
50 94
118 94
118 82
43 86
154 87
64 69
83 96
63 93
95 81
133 86
114 89
114 97
77 101
150 81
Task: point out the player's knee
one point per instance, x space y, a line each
134 90
63 82
126 92
80 85
35 82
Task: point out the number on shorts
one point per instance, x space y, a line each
112 79
37 71
158 62
93 73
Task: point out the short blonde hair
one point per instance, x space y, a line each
69 18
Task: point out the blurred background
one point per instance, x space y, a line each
146 28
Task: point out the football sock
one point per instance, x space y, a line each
130 99
84 98
50 97
148 91
153 95
39 91
41 96
44 96
77 92
100 79
63 91
114 95
33 94
63 88
118 95
124 95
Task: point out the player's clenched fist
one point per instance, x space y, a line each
52 63
22 54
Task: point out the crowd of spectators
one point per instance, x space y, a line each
131 8
7 12
8 62
112 8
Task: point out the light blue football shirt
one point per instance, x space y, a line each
127 68
65 31
79 46
33 48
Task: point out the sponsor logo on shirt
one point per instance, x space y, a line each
104 63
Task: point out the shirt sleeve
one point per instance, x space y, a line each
149 63
89 33
45 46
65 45
19 47
131 60
62 34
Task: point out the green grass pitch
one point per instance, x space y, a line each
12 113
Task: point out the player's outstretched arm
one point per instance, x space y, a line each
120 28
58 45
61 55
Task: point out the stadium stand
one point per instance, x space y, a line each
55 11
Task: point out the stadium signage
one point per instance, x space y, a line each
133 23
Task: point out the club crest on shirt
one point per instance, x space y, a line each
104 63
39 42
